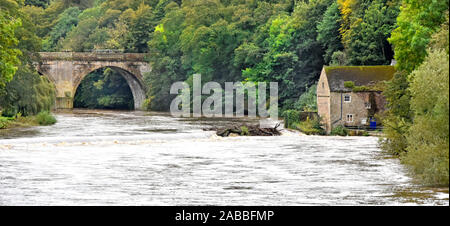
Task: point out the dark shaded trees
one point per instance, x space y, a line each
104 89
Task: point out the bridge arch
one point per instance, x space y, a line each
134 82
68 69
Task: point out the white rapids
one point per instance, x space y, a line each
139 158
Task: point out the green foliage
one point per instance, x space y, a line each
398 116
349 84
141 25
65 22
417 21
8 51
339 131
394 139
293 56
308 100
217 39
244 131
9 112
291 118
339 58
111 24
361 89
311 127
165 59
280 41
28 93
440 40
104 89
39 3
328 32
368 43
4 122
416 125
428 137
78 39
44 118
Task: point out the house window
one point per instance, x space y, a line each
349 118
368 105
347 98
323 85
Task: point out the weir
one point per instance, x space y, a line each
67 69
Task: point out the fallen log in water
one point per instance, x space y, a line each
246 130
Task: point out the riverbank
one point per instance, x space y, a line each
311 124
41 119
10 122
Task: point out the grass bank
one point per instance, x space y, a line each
42 119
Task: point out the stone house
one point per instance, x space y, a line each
351 95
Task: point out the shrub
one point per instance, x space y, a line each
3 122
349 84
45 118
428 137
311 127
291 117
397 118
308 100
339 131
9 112
244 131
361 89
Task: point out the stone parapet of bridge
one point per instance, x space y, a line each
67 69
92 56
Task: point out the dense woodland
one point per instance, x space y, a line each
287 41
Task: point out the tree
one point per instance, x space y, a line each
308 100
368 44
39 3
278 62
64 24
79 38
398 117
328 32
347 8
417 21
141 25
8 52
165 57
428 137
293 56
28 93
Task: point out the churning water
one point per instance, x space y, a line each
141 158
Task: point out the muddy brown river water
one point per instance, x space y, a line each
93 157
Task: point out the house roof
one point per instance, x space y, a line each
360 75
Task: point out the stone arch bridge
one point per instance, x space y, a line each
67 69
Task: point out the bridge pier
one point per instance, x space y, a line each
64 103
67 69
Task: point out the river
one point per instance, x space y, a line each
92 157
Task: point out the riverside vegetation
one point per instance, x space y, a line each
25 96
284 41
44 118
